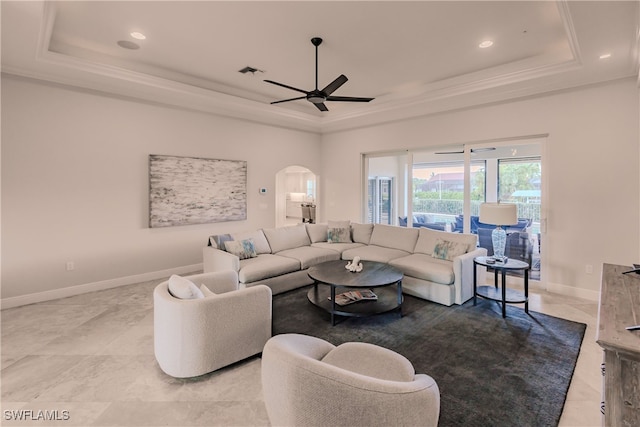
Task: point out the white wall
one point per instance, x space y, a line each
75 184
592 169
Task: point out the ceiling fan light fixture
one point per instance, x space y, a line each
316 97
137 35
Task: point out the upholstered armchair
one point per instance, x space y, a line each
197 335
307 381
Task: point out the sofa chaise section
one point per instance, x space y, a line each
445 281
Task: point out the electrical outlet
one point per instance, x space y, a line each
588 269
70 266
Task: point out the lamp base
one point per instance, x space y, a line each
499 240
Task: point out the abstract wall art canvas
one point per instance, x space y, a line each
191 190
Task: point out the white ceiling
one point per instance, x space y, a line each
414 57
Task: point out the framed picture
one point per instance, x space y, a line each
193 190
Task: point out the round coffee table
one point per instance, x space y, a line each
378 276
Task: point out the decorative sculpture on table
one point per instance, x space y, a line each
354 266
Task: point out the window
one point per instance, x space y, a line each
426 188
380 200
519 182
438 189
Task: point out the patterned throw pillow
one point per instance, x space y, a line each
338 235
243 249
218 240
446 249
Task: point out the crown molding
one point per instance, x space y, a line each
498 84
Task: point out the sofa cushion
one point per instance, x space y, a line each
427 240
183 288
310 255
361 233
259 241
374 253
317 232
393 237
425 267
266 266
243 249
338 247
284 238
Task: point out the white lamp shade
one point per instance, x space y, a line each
498 213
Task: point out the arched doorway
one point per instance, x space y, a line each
295 185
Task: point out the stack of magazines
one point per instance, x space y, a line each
350 297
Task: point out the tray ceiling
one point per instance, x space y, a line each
415 57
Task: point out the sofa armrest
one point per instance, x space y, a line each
217 260
463 272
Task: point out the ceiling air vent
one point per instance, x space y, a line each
249 69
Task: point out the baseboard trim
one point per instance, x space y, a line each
571 291
95 286
554 288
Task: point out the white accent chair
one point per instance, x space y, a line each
195 336
307 381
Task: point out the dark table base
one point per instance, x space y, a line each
319 295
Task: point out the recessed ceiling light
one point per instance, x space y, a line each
485 44
137 35
605 56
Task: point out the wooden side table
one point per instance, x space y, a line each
618 309
503 295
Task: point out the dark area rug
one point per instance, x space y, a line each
491 371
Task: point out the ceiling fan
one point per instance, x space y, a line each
318 97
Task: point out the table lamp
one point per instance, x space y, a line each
498 214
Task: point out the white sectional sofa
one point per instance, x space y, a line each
280 257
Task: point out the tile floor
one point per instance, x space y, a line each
88 360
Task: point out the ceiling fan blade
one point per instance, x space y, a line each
348 99
449 152
331 87
288 87
290 99
321 107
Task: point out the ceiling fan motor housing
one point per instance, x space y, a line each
316 96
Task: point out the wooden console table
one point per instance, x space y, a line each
619 308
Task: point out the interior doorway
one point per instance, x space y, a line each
295 186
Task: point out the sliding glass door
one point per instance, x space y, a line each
381 200
443 190
438 191
386 188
